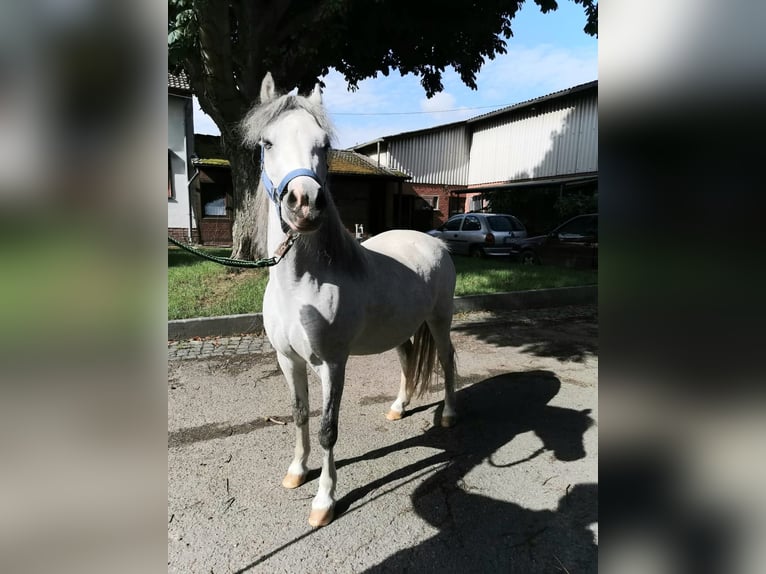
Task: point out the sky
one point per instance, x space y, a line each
547 53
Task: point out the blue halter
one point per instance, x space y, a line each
277 193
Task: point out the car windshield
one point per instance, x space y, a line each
504 223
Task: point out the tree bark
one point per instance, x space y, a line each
245 174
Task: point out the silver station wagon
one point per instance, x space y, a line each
481 234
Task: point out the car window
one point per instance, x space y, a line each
578 227
471 223
500 223
517 225
453 224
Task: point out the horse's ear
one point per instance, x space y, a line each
267 88
316 95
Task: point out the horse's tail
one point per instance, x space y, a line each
422 361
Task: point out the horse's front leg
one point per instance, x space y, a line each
294 369
323 505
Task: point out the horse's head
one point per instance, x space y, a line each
294 134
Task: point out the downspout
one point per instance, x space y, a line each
194 161
378 154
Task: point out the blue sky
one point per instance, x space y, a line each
548 52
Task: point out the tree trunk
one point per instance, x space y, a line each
245 174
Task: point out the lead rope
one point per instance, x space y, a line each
280 253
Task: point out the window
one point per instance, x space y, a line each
456 205
453 224
578 228
433 201
471 223
499 223
213 200
505 223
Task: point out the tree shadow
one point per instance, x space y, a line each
573 339
478 533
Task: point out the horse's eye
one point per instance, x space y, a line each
266 144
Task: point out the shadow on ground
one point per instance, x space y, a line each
481 534
573 340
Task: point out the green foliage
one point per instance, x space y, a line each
571 204
299 40
540 209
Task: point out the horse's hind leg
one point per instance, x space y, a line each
396 411
440 331
294 369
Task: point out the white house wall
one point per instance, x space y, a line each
439 157
559 138
178 208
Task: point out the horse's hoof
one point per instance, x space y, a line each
321 517
448 422
393 415
293 480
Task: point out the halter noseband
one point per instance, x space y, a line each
276 193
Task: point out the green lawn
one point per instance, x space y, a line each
485 276
199 288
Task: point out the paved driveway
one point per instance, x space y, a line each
512 488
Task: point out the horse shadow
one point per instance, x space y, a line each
481 534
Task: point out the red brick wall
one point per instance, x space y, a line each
181 234
216 231
427 190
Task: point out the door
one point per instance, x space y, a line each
451 233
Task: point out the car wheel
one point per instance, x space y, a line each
528 258
476 252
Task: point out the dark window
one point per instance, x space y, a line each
579 227
517 225
471 223
213 201
453 224
456 205
504 223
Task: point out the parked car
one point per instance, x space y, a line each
574 243
480 234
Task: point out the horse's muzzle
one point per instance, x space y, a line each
303 208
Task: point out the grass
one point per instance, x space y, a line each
487 276
199 288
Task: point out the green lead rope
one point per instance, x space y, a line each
228 261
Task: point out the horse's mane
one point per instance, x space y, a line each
333 242
262 115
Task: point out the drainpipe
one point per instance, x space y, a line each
378 154
194 161
192 155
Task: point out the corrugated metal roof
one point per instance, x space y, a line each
551 96
179 82
560 136
482 117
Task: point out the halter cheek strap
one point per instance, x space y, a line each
276 193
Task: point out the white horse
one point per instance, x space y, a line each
330 297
